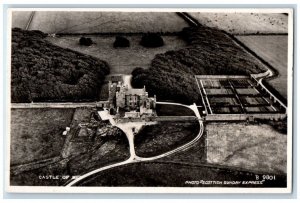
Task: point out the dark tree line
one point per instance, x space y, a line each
209 52
42 71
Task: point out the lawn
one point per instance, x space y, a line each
121 60
274 50
37 133
154 140
96 22
244 23
253 147
155 174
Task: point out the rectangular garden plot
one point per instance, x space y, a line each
211 83
234 95
227 110
241 83
219 92
247 91
248 101
223 101
260 109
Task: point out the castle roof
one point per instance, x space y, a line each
135 92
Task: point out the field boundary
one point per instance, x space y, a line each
52 105
264 62
260 34
118 33
217 166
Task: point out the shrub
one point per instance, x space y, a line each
85 41
121 42
152 40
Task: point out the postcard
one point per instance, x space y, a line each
149 100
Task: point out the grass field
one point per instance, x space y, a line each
121 60
195 154
274 50
92 22
79 155
37 133
157 139
243 23
253 147
20 19
162 174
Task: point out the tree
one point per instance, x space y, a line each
41 71
85 41
137 71
171 75
121 42
152 40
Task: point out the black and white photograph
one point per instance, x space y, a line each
156 100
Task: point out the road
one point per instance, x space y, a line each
127 128
268 74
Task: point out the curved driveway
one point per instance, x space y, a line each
127 129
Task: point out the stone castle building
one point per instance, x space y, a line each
135 102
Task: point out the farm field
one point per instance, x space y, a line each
253 147
96 22
78 154
121 60
195 154
37 133
175 175
244 23
273 49
20 19
110 152
154 140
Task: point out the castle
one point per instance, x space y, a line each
130 102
